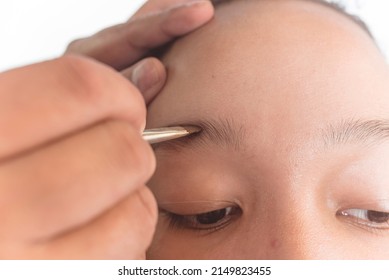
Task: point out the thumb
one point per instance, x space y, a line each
148 75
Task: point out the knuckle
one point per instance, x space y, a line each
134 225
94 85
149 204
75 46
132 154
80 77
141 214
73 60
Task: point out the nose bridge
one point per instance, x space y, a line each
295 224
299 228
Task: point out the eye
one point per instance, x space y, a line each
212 220
367 218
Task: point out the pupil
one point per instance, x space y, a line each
377 217
211 217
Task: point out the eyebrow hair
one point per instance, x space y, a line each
226 133
223 132
357 131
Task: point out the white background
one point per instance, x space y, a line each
34 30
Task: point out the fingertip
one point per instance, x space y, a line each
202 12
149 76
184 19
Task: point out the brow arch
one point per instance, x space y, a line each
354 131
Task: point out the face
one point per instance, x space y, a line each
293 158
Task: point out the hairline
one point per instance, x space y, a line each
334 6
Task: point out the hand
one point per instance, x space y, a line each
73 165
155 24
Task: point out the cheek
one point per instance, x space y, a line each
255 243
233 243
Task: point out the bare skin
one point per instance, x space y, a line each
307 89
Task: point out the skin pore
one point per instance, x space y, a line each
292 162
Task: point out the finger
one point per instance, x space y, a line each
48 100
148 75
124 232
72 181
122 45
155 6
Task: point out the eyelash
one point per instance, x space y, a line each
359 217
191 222
365 218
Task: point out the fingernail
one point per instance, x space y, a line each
145 77
189 4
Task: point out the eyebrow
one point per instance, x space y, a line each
226 133
222 132
357 131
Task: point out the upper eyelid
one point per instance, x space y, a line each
196 207
380 205
206 202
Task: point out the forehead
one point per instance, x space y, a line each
284 68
